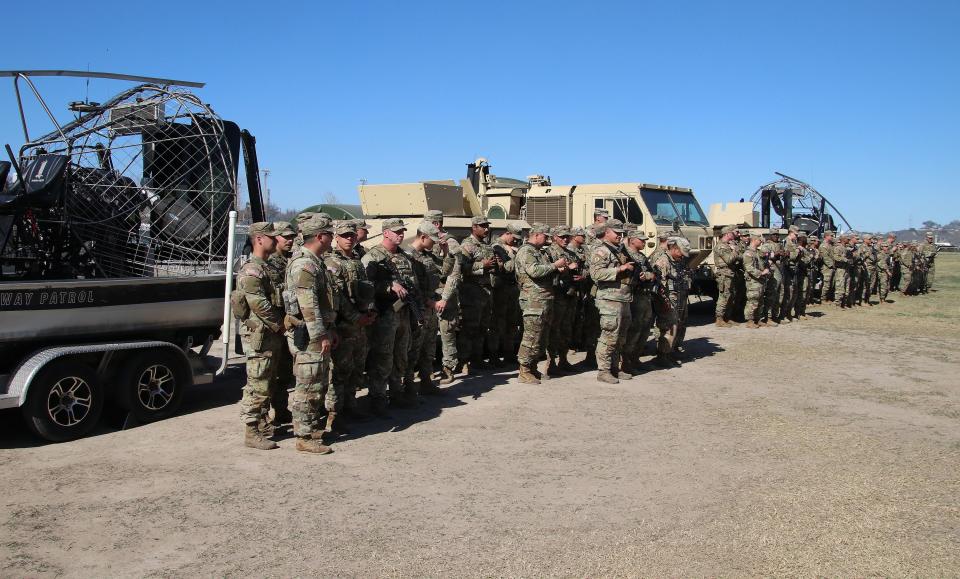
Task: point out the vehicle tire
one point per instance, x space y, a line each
151 384
64 402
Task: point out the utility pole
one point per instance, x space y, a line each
266 192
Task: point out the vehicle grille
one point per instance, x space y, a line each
549 210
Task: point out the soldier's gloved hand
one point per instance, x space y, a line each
398 290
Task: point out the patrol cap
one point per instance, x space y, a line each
663 236
755 235
601 212
680 242
577 231
262 228
728 229
539 228
793 229
433 215
560 231
304 216
802 234
637 234
344 227
616 225
315 226
514 228
283 229
629 226
929 235
479 220
393 224
361 224
813 238
430 230
829 232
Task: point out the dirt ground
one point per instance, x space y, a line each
826 447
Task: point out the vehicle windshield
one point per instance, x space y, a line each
667 206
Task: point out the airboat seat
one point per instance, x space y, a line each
45 176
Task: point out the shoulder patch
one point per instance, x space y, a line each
251 269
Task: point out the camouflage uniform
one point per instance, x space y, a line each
727 259
791 276
871 261
564 301
535 275
884 271
641 308
907 256
805 265
428 266
755 281
841 278
476 295
672 275
614 296
451 276
261 338
355 301
583 287
928 250
506 302
312 297
390 337
770 304
591 315
827 270
283 378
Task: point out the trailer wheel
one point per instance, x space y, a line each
65 401
151 385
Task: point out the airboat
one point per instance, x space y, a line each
788 201
117 222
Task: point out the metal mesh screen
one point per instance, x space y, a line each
549 210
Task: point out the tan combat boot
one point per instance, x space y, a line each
253 438
752 324
526 376
607 377
721 323
447 376
311 445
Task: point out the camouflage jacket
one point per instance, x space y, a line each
672 273
253 280
429 268
612 284
907 256
792 249
313 289
347 273
885 259
563 281
277 270
451 273
474 251
727 259
870 256
641 265
839 254
826 254
506 275
752 267
383 267
534 272
928 251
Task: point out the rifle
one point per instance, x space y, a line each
413 299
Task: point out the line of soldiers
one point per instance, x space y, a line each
320 313
764 281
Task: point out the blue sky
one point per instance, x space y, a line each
858 98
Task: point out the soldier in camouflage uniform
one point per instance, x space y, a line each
451 276
564 302
727 260
591 316
505 299
641 308
612 272
841 261
885 266
428 265
578 237
755 275
260 332
393 277
928 250
311 309
354 314
363 231
479 264
791 270
856 273
285 235
871 261
769 305
805 265
672 275
827 267
907 257
535 275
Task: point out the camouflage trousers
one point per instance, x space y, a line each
788 293
537 316
931 273
739 296
906 280
726 296
475 302
423 346
262 348
803 295
561 325
614 326
505 323
591 321
347 367
282 380
641 322
755 289
389 348
826 288
312 372
673 324
883 284
870 280
449 324
770 304
840 282
854 289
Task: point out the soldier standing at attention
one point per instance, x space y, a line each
451 276
929 250
390 270
479 264
641 308
870 262
594 232
828 267
612 273
284 236
354 314
672 274
591 317
727 259
535 274
841 261
564 303
312 312
884 271
260 333
755 275
505 299
769 251
791 269
578 237
429 267
803 277
363 230
895 252
907 257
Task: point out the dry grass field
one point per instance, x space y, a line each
825 447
